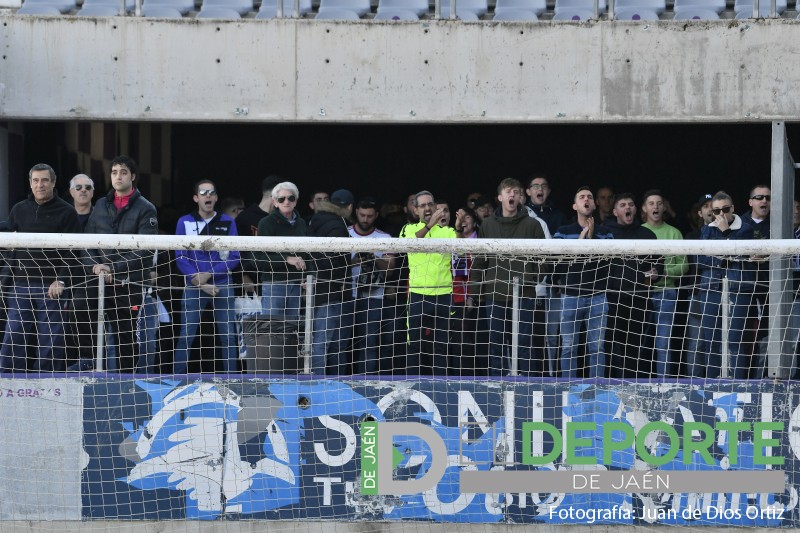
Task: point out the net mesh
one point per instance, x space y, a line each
153 394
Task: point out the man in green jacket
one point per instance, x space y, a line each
494 275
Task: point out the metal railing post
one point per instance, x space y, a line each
307 344
101 323
726 353
515 327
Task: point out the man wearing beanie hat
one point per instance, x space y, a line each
333 300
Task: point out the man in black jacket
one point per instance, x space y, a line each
127 272
333 299
628 290
39 278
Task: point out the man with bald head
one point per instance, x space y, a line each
81 188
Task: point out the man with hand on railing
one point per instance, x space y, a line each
208 279
122 211
39 278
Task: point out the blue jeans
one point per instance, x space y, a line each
553 313
333 323
662 317
367 335
500 321
147 335
709 342
33 318
194 301
574 311
281 300
431 312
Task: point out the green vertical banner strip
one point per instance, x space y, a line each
369 458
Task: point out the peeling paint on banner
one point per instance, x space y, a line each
41 435
286 449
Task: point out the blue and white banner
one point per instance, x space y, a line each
292 449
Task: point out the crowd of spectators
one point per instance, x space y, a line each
384 313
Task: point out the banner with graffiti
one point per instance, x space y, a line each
724 453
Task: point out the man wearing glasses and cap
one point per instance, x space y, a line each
706 360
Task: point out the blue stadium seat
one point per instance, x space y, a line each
579 5
509 13
396 14
183 6
361 7
575 15
240 6
747 13
62 5
269 8
38 9
696 13
420 7
161 12
717 6
479 7
335 13
659 6
462 14
219 12
635 13
98 10
763 6
537 6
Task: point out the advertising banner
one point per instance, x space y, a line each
721 453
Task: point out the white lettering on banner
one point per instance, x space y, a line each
350 442
405 395
468 406
327 482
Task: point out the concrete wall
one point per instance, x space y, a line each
67 68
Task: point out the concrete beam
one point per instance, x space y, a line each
127 68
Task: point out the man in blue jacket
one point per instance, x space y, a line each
706 360
584 285
208 278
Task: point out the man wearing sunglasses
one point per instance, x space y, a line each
706 360
81 188
208 278
758 218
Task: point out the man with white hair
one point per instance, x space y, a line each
81 188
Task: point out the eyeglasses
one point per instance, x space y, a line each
760 197
538 186
718 210
207 192
281 199
80 187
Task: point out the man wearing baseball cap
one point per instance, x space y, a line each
333 299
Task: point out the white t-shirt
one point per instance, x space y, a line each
378 290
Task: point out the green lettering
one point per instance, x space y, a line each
609 444
644 453
527 435
369 458
759 443
573 442
733 429
701 446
